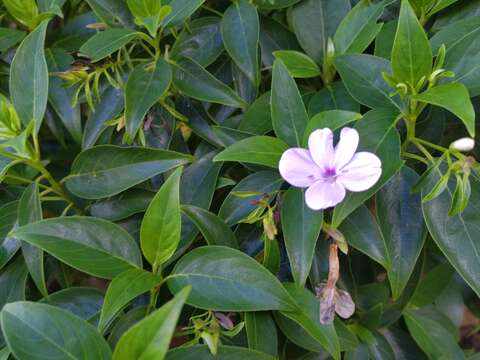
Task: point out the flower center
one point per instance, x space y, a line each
329 173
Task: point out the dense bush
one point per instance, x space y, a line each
170 186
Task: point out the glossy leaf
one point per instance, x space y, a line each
298 64
258 118
411 53
240 29
214 230
362 76
454 98
123 205
455 235
112 12
333 97
262 150
224 353
218 284
124 288
301 228
145 86
181 10
38 331
107 170
29 89
30 211
8 244
258 325
150 338
289 116
399 213
193 80
94 246
161 226
10 37
106 43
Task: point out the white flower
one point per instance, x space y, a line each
329 171
463 144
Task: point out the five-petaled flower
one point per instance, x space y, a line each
329 171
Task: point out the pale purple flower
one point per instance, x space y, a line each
329 171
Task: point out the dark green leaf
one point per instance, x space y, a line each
107 170
193 80
224 353
92 245
298 64
289 116
301 227
214 229
29 78
218 284
107 42
145 86
399 212
456 99
432 285
38 331
261 332
10 37
123 205
240 29
8 244
333 97
124 288
411 53
112 12
262 150
258 118
181 10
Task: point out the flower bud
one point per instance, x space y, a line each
464 144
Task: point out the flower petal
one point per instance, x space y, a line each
320 144
346 147
361 173
344 305
323 195
298 168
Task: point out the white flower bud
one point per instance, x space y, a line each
463 144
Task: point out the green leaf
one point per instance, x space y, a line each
107 170
378 135
235 208
362 76
275 36
432 285
30 211
194 81
301 227
399 213
8 244
298 64
462 41
201 42
10 37
13 280
411 53
456 235
124 288
162 224
258 117
38 331
106 42
59 97
261 332
332 119
148 13
434 339
240 29
262 150
94 246
289 116
111 104
224 353
112 12
333 97
84 302
455 98
214 229
150 338
308 317
315 21
363 233
359 27
145 86
384 40
25 12
29 89
274 4
123 205
218 284
181 10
